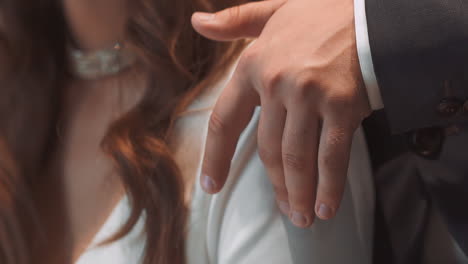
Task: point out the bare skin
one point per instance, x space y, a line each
83 180
90 184
91 188
96 24
303 70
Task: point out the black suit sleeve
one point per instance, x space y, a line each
420 53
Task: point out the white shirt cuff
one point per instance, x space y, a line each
365 57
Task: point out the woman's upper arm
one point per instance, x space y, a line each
252 230
333 241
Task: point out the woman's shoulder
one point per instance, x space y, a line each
250 227
244 226
128 249
240 224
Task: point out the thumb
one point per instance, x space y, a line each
243 21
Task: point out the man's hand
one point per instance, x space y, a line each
304 71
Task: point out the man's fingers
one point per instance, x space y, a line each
231 115
334 151
244 21
299 151
270 133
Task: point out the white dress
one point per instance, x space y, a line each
242 225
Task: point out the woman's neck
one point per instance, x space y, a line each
96 24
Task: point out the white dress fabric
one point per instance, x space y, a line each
242 225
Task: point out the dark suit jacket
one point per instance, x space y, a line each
420 140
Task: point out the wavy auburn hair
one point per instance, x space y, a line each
33 70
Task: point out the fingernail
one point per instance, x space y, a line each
284 207
299 219
205 16
324 212
208 184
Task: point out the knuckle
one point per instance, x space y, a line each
269 158
307 79
211 165
230 15
294 161
328 163
271 81
337 136
277 178
331 193
343 99
302 201
208 165
338 100
249 56
217 126
281 192
325 161
304 85
344 107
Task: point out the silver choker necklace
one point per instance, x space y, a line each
101 63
